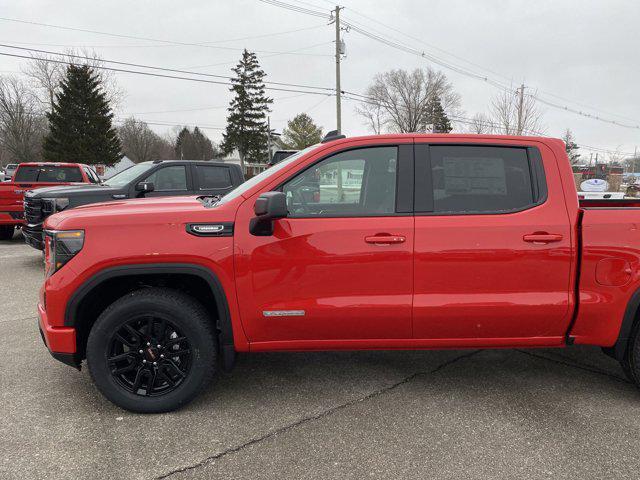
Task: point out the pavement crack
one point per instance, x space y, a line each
575 365
312 418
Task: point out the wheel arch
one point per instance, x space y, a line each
629 321
125 278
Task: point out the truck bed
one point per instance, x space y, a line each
610 203
609 272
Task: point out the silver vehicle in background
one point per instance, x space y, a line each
9 170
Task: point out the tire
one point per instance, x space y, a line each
135 375
6 232
630 363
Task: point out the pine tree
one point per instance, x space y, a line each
571 147
246 124
194 145
301 132
436 116
80 122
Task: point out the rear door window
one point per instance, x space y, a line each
479 179
212 177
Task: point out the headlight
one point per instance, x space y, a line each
53 205
60 247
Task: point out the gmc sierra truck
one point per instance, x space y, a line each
380 242
31 176
147 179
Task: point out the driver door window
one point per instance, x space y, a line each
359 182
169 179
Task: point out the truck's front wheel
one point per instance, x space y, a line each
152 351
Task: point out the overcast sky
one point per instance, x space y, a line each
583 51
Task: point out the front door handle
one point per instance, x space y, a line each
542 237
385 239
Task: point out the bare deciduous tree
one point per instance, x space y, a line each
398 100
480 124
512 119
22 124
142 144
46 73
372 114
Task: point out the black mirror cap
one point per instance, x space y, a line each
268 207
145 187
271 205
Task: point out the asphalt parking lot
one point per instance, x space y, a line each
451 414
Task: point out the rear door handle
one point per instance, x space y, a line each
385 239
542 237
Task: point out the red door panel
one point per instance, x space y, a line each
321 279
494 276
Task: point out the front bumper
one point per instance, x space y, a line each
61 341
33 236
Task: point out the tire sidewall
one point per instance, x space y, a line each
199 337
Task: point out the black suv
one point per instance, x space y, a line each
148 179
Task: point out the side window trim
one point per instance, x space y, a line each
424 204
405 152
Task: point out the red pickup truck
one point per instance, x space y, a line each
380 242
30 176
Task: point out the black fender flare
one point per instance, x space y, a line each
223 322
619 349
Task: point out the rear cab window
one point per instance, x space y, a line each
476 179
50 174
212 177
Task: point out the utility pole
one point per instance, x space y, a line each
338 89
520 109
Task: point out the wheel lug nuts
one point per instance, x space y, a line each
155 363
144 361
161 355
148 344
159 346
140 351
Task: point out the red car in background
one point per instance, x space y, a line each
29 176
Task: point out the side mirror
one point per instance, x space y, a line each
269 206
145 187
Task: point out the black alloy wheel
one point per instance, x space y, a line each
149 356
153 350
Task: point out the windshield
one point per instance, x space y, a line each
127 176
53 174
236 192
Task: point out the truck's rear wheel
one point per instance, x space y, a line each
152 351
631 361
6 232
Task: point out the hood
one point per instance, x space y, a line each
78 189
141 212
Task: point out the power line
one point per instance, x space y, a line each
132 37
289 52
296 8
152 74
584 114
138 65
215 107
